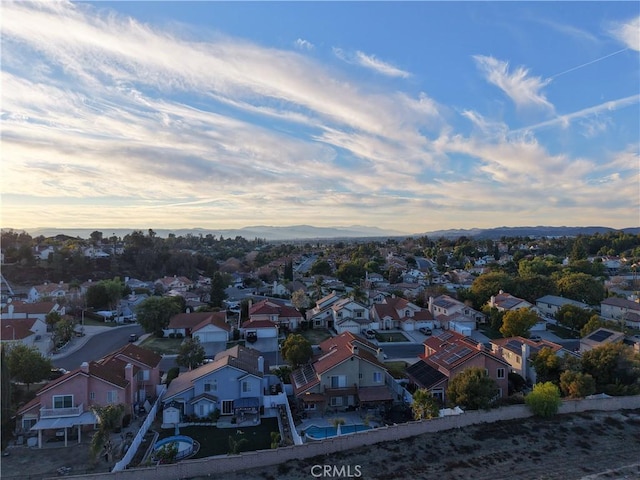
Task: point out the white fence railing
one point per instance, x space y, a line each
133 448
61 412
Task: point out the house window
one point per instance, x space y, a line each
318 323
92 395
211 385
359 314
27 423
336 401
246 386
360 376
143 375
309 406
112 396
338 381
377 377
486 372
501 373
62 401
227 407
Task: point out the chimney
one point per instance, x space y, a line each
128 373
525 360
430 305
261 364
354 349
84 367
11 309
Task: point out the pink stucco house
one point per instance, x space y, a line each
127 376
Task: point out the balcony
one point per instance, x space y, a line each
61 412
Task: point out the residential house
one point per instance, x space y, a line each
321 314
127 376
549 305
396 312
621 310
234 383
280 313
47 291
601 336
349 316
31 332
40 310
261 334
42 252
348 372
450 353
504 302
452 314
95 252
178 283
205 326
518 352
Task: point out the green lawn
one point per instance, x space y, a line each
162 346
397 369
562 332
492 334
215 441
315 336
97 323
391 337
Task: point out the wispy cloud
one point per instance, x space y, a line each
370 62
628 33
303 44
523 89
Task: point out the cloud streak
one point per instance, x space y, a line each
523 89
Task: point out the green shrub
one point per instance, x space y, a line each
544 400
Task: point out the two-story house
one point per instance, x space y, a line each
234 383
448 354
349 315
519 351
48 290
348 372
621 310
504 302
397 312
452 314
549 305
178 283
321 314
282 314
127 376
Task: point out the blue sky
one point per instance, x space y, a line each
410 116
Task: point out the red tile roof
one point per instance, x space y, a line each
16 328
196 320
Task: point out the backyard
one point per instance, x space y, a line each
215 441
162 346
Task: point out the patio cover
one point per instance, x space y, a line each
374 394
248 403
87 418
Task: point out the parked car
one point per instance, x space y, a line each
133 337
535 338
425 331
370 334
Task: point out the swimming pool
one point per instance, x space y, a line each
320 433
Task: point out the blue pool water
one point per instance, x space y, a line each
319 433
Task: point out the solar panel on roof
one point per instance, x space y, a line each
514 344
599 335
445 336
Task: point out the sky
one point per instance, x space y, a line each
407 116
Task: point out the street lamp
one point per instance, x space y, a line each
14 331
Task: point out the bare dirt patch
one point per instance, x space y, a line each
594 445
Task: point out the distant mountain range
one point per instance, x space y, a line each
308 232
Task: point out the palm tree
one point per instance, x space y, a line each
318 291
109 418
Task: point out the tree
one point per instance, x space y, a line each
154 313
219 283
473 389
167 453
321 267
62 332
5 393
97 296
300 300
581 287
595 322
236 445
573 317
114 289
351 273
518 322
544 401
547 366
27 365
296 350
425 405
52 318
614 367
490 284
190 354
109 418
577 384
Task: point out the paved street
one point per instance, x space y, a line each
98 342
